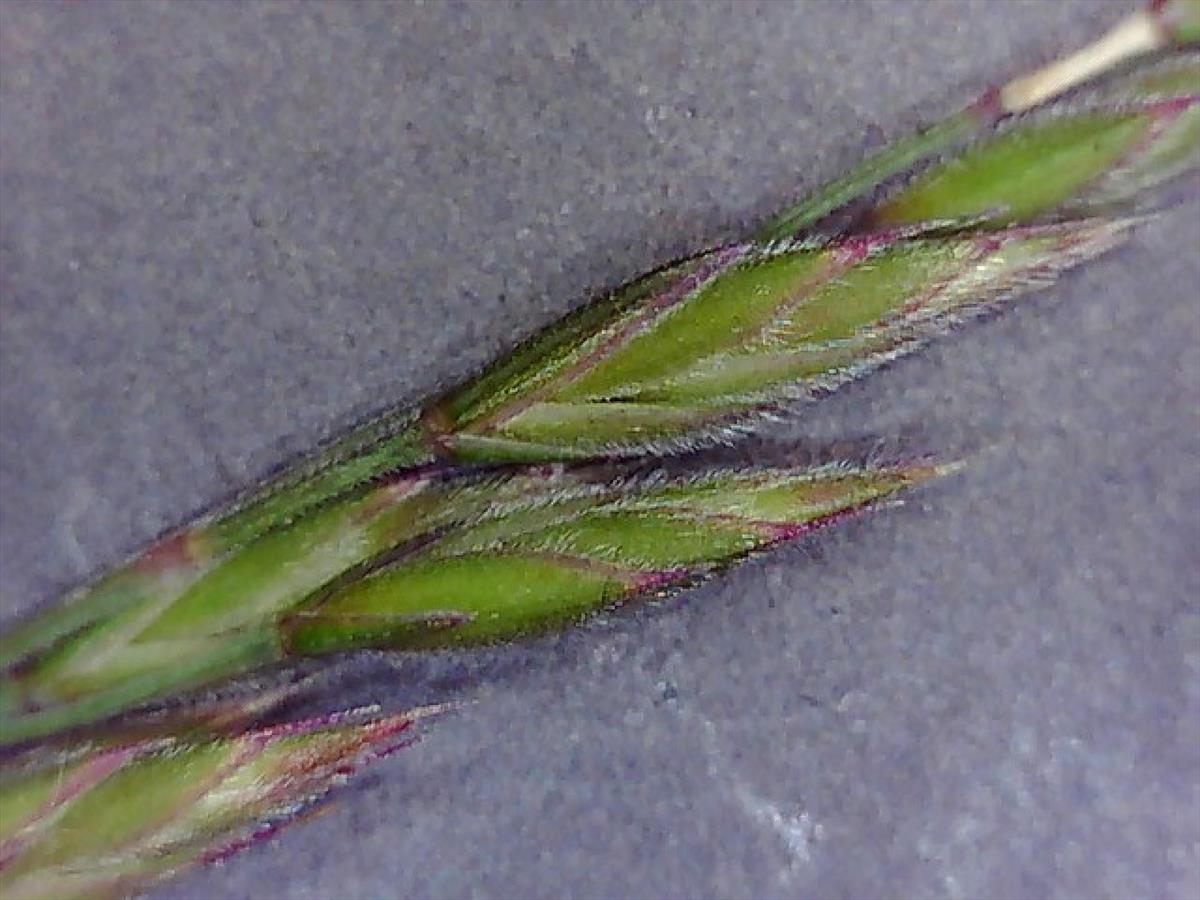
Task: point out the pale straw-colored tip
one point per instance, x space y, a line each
435 709
953 467
1140 33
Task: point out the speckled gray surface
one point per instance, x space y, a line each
227 230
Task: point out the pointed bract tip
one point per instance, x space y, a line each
928 471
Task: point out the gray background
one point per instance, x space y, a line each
229 230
